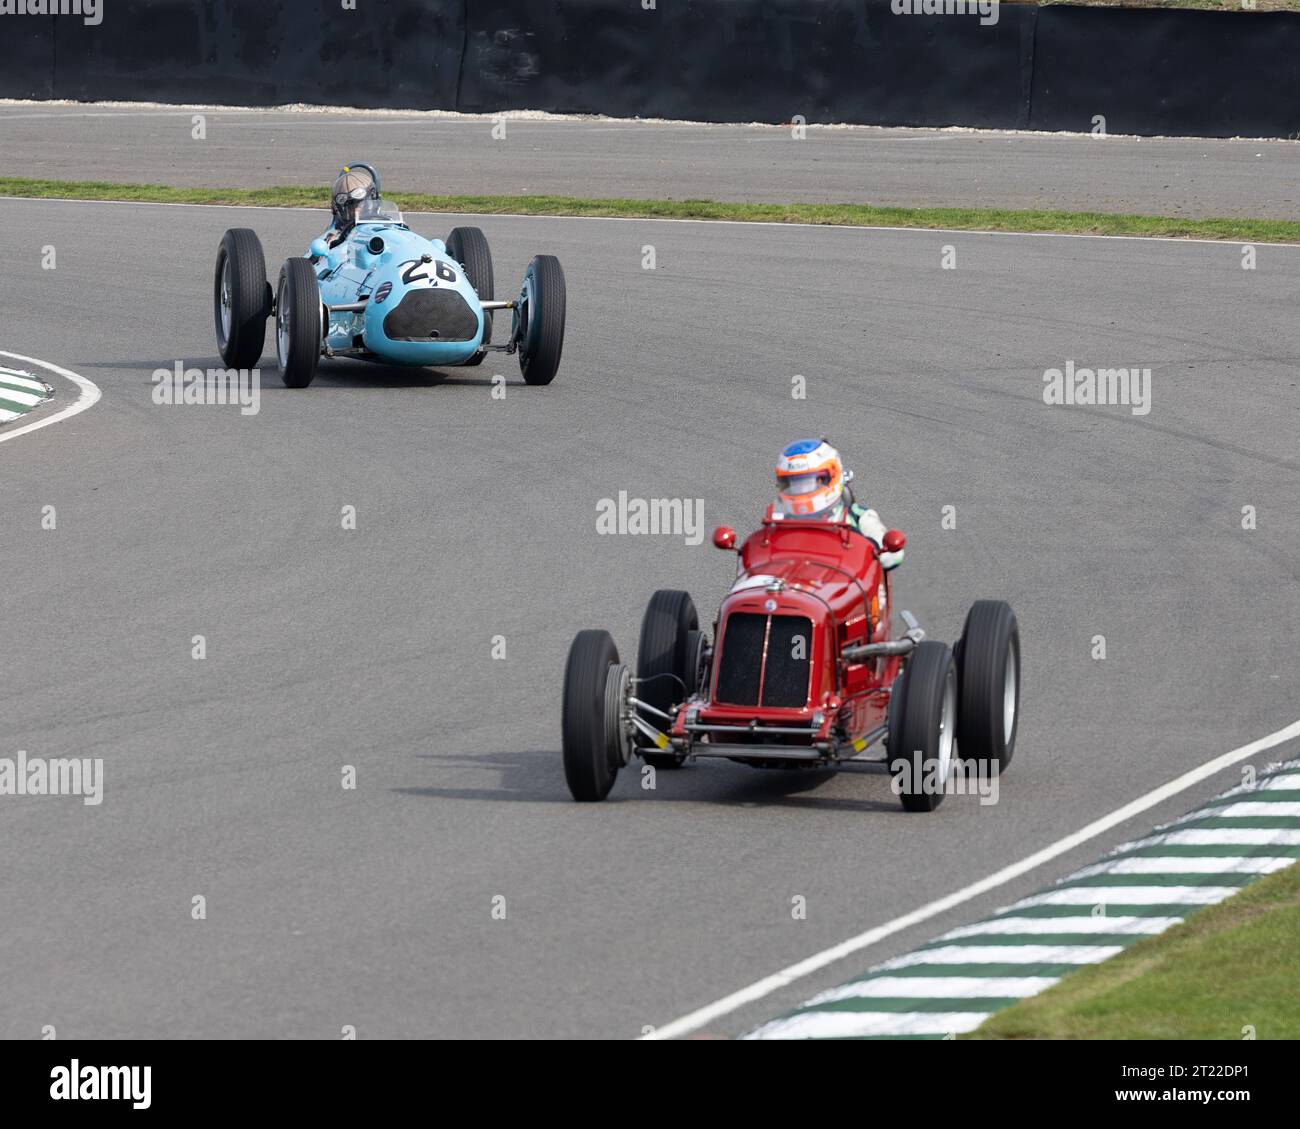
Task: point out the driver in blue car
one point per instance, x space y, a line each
354 185
812 485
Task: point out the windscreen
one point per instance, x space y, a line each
378 211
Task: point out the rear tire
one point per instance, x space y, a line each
591 759
299 324
469 247
989 685
664 656
921 757
539 320
241 299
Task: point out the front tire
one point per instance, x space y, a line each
989 680
591 754
241 299
539 320
299 323
663 661
469 247
921 754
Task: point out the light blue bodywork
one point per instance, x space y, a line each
351 273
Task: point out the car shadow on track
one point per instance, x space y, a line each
537 777
331 374
364 374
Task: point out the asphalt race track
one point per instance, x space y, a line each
1183 177
476 518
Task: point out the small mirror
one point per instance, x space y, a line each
319 248
724 537
894 541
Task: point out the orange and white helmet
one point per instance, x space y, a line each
809 479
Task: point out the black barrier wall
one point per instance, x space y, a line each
862 61
748 60
387 53
1196 74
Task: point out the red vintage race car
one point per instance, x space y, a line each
802 670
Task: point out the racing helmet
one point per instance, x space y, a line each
809 479
355 184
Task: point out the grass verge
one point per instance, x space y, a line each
1230 966
965 219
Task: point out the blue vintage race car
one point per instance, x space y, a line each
384 293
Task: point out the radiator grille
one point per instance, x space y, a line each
768 655
435 314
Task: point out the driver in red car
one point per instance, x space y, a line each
812 485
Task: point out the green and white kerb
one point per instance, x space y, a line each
955 982
20 392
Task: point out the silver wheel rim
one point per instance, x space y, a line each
1009 697
227 314
282 328
947 728
618 710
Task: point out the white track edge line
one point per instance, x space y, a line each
769 984
90 394
693 219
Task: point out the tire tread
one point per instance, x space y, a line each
249 307
541 367
587 770
669 616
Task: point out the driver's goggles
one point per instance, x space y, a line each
796 484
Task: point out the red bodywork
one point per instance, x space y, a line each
830 575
